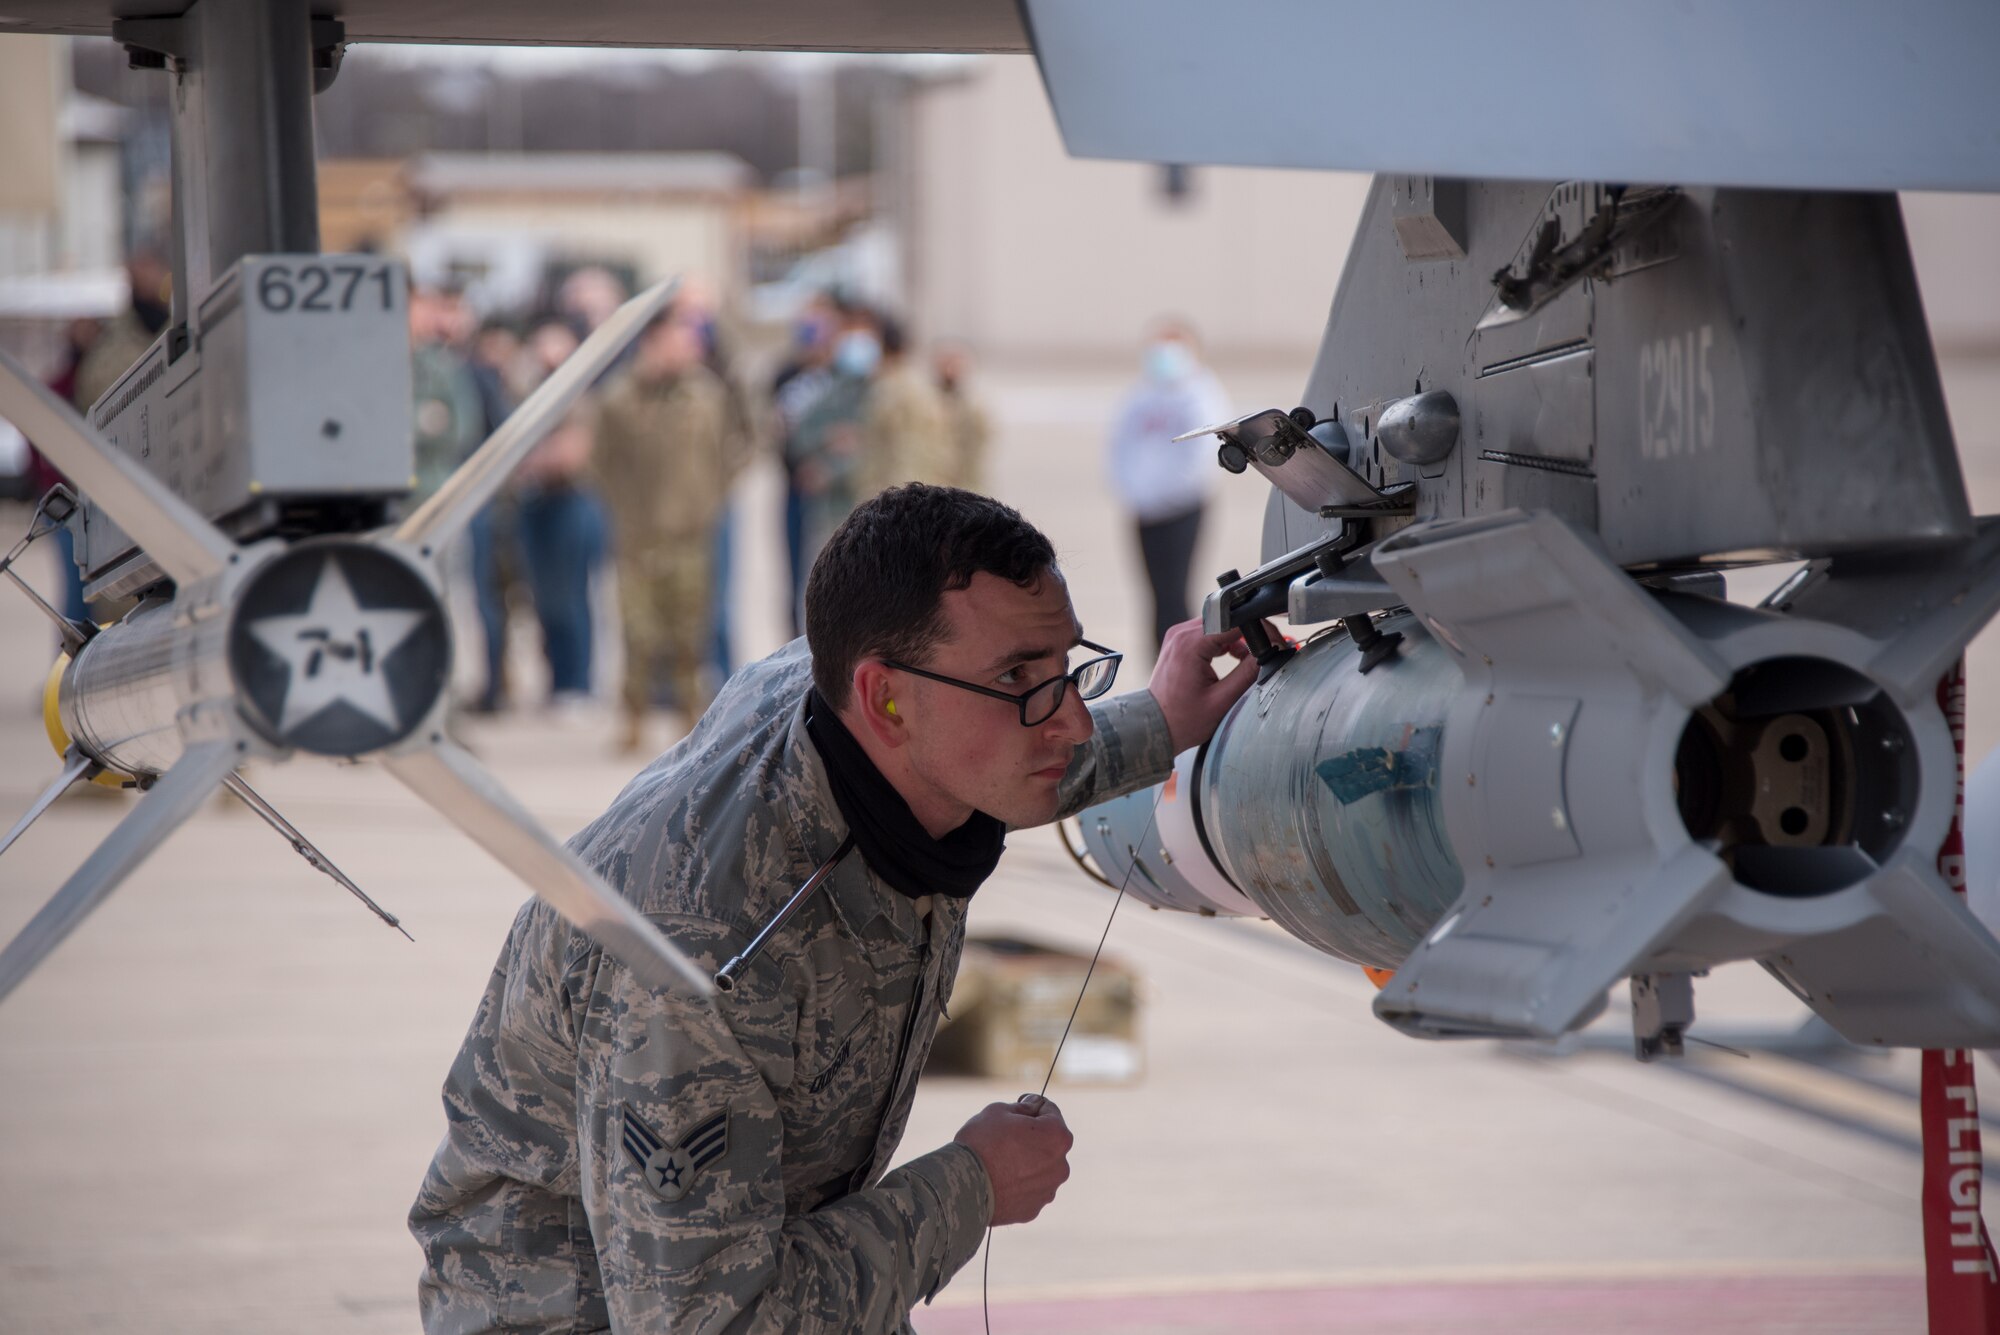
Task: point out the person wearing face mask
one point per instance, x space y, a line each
796 387
828 440
1162 484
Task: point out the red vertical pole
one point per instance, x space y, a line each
1961 1280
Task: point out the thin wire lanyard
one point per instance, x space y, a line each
1131 865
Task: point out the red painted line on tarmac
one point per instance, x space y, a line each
1778 1305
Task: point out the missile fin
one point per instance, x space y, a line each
1528 596
466 793
466 492
1524 957
1577 865
1922 606
176 796
1924 972
76 767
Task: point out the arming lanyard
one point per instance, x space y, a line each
726 976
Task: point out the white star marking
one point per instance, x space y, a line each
335 650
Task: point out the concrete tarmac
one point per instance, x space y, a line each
217 1099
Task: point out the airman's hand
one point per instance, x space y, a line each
1025 1148
1191 695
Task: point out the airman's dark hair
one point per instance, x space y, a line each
877 589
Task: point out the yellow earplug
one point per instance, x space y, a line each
889 708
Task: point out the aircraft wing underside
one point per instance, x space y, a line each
771 25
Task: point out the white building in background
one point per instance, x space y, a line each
34 79
61 182
1028 253
62 215
497 221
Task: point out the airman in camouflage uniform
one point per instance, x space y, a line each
970 425
905 433
668 446
625 1157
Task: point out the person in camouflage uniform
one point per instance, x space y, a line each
667 450
970 425
628 1158
905 434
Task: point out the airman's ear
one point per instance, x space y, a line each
872 703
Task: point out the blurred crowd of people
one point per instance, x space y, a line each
95 354
855 413
638 476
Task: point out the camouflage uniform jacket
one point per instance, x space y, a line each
971 428
905 434
622 1157
666 453
446 417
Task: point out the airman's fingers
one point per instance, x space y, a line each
1237 680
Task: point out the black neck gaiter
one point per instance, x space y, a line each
887 832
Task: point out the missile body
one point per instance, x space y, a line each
123 696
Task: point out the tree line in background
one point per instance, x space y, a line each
390 106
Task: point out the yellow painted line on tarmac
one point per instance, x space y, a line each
964 1294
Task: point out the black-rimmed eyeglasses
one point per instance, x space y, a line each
1038 704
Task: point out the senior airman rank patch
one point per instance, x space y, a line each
670 1170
